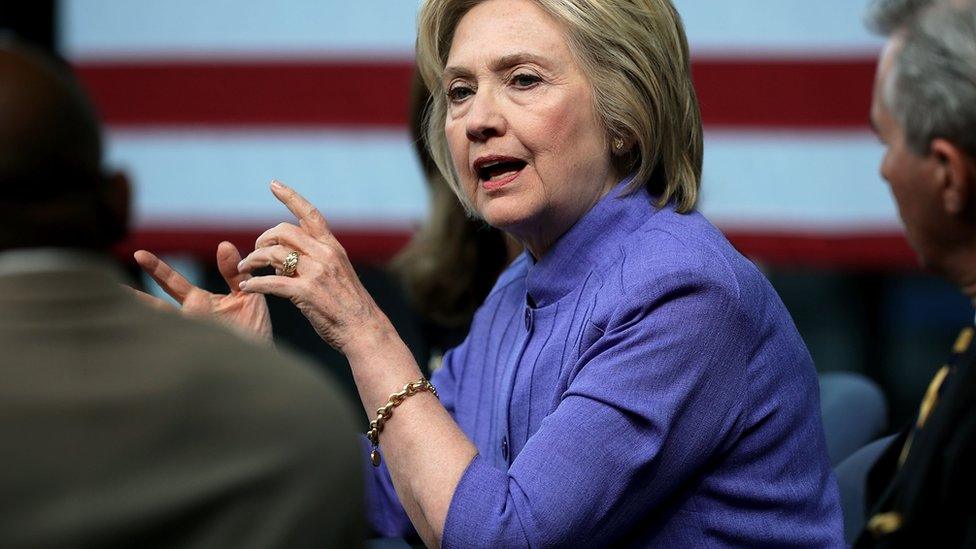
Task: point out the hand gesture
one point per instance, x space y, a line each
323 284
244 312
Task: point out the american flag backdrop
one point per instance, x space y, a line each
207 101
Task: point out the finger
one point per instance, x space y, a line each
151 300
288 235
309 217
172 282
281 286
270 256
228 259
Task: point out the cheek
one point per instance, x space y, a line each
571 136
572 127
894 173
457 144
904 202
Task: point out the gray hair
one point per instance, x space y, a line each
887 16
931 90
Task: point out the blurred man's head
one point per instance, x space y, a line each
53 191
924 111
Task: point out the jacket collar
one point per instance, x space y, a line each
32 281
593 237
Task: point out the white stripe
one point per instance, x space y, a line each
825 182
103 29
195 178
819 181
108 29
762 28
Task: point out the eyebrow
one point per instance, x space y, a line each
509 61
498 64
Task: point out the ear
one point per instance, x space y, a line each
956 175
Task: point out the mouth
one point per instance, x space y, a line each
494 171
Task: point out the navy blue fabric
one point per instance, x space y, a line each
642 385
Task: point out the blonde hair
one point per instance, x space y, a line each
636 55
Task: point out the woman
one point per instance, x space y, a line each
631 379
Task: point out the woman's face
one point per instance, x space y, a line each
527 144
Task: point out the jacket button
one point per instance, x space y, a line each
505 448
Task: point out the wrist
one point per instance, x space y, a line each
381 363
384 413
377 339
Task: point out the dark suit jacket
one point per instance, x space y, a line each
123 426
930 499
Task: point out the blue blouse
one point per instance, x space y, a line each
642 384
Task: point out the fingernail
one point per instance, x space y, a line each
240 265
276 184
242 285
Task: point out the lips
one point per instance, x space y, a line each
497 169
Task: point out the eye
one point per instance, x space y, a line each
525 80
458 93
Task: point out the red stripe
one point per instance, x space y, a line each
785 93
856 251
801 93
847 251
250 94
362 245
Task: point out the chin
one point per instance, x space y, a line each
926 260
502 212
504 221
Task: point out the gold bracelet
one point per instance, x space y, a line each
384 413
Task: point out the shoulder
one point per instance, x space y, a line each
267 384
674 256
281 419
669 252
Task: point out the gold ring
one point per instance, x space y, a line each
290 265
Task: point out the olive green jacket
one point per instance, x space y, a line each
124 426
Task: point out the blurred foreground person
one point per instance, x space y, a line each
922 490
122 425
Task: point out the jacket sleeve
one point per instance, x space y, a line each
652 400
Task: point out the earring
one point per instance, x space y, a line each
618 145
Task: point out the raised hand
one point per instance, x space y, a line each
324 285
244 312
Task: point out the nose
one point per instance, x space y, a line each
484 118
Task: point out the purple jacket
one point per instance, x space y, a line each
641 385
